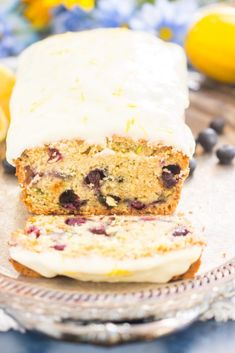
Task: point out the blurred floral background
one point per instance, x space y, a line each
24 21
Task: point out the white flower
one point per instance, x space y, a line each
168 19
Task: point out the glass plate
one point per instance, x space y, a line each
109 313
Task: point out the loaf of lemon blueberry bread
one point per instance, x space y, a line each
98 124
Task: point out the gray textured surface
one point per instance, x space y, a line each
204 337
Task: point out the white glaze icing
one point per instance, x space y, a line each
97 83
157 269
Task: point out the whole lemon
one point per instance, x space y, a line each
3 125
210 42
7 81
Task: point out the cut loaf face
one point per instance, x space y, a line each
108 248
126 177
98 124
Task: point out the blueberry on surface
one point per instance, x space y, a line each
218 125
207 139
192 166
8 168
225 154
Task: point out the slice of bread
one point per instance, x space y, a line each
108 248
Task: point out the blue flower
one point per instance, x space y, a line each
15 32
8 5
72 20
169 20
108 13
114 13
146 18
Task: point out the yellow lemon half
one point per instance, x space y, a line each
210 42
3 125
7 81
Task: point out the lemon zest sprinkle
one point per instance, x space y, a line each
129 124
37 104
93 61
82 97
3 125
138 149
118 92
60 52
132 105
118 272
